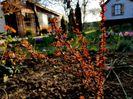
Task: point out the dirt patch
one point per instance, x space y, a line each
54 81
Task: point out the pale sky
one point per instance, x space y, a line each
93 4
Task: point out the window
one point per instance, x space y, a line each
118 9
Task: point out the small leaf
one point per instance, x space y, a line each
5 78
81 97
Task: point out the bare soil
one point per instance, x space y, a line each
54 81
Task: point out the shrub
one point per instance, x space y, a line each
48 40
124 45
119 43
93 37
31 39
71 35
126 27
120 28
116 28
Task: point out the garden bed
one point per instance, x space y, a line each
53 80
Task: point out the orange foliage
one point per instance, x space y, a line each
8 28
83 56
82 97
91 70
18 56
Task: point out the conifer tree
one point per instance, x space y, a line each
71 20
63 24
78 16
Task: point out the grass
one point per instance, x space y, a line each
46 49
2 48
90 31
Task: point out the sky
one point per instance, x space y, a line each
93 4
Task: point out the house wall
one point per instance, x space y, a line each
20 24
2 20
43 20
128 9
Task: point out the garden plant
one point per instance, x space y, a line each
70 70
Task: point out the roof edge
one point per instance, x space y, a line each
106 1
43 7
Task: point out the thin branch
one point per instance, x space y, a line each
126 96
131 66
127 74
3 55
5 93
108 73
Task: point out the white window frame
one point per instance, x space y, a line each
117 9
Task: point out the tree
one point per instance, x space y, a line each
64 25
71 24
78 16
85 2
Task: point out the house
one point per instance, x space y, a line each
27 17
2 20
119 12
